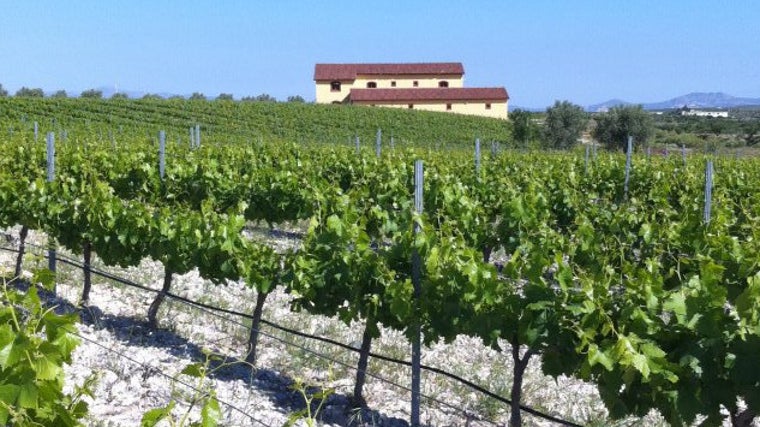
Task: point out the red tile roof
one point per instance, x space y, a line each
430 94
350 71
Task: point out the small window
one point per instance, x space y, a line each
448 107
393 83
415 83
335 86
443 83
371 85
411 105
488 105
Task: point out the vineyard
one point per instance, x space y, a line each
643 281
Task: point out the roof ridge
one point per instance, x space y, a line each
351 70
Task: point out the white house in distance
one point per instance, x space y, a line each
423 86
686 111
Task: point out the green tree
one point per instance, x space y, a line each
524 129
152 96
751 133
119 95
265 97
565 122
26 92
614 127
197 96
92 94
3 92
60 94
296 98
224 97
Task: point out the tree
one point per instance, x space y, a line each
60 94
26 92
3 92
751 133
265 97
523 127
92 94
296 98
197 96
565 122
614 127
224 97
119 95
151 96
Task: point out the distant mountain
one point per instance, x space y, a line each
692 100
703 100
604 106
531 109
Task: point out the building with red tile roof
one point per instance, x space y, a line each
426 86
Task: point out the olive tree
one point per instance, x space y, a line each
26 92
524 129
92 94
615 126
565 122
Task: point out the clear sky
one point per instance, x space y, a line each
541 51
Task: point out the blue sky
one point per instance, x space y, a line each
541 51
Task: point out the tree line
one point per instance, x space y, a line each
26 92
564 123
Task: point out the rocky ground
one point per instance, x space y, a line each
137 368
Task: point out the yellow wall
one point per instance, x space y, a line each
407 81
476 108
326 96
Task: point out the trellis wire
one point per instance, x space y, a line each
216 310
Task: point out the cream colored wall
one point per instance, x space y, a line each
476 108
325 95
407 81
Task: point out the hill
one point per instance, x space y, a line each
692 100
251 120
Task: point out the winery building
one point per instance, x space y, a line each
423 86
